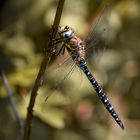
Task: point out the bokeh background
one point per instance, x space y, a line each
73 111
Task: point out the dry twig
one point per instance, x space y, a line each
44 64
12 102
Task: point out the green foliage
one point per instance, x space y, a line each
71 110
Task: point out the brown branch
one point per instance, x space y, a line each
38 81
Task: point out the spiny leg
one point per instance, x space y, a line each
62 49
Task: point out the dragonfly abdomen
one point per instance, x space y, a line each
101 94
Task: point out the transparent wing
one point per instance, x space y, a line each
95 40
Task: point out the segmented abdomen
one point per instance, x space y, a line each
101 94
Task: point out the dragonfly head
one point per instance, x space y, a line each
66 32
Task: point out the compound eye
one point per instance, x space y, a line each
66 35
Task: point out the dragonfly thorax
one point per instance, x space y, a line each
66 32
74 45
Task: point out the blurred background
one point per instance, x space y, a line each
73 111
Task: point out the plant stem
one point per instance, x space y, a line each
13 103
38 81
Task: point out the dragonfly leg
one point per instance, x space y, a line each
53 43
61 49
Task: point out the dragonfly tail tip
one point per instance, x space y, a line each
122 126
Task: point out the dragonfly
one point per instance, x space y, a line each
76 49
